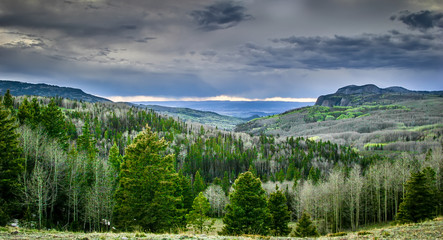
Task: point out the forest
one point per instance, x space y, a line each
80 166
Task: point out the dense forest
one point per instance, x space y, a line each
103 166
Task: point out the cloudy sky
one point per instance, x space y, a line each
222 49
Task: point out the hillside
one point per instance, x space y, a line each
45 90
405 120
370 94
204 117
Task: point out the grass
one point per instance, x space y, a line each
425 230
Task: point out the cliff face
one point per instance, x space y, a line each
368 94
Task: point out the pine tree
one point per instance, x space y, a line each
197 218
199 183
247 212
11 165
418 203
148 191
305 227
23 113
8 100
225 183
54 121
280 215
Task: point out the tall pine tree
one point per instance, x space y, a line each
11 164
148 192
419 201
280 215
248 212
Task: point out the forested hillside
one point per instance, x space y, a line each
402 123
97 166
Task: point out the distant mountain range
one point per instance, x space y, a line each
45 90
371 94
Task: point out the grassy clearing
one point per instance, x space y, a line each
425 230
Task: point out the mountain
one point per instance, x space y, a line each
370 94
45 90
365 117
203 117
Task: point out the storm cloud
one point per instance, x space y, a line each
240 48
220 15
367 51
422 20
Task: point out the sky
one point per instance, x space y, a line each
290 50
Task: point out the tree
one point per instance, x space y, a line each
8 100
279 213
11 164
418 203
225 183
248 212
305 227
199 183
197 218
54 121
147 194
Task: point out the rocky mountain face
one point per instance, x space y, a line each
369 94
45 90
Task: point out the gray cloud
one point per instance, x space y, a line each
367 51
220 15
422 20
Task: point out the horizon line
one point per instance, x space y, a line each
141 98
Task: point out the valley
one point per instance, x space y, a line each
333 162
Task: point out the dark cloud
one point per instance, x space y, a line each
422 20
367 51
220 15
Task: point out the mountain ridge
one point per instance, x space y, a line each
45 90
354 95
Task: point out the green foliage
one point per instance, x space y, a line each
8 100
247 212
197 218
225 183
199 184
280 215
305 227
53 121
419 201
11 163
148 194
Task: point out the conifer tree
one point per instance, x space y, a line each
225 183
199 183
305 227
8 100
418 203
197 217
147 195
280 215
11 165
247 212
24 113
54 121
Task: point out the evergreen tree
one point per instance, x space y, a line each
54 121
225 183
11 165
24 113
247 212
35 113
280 215
147 195
305 227
197 218
199 183
8 100
418 203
